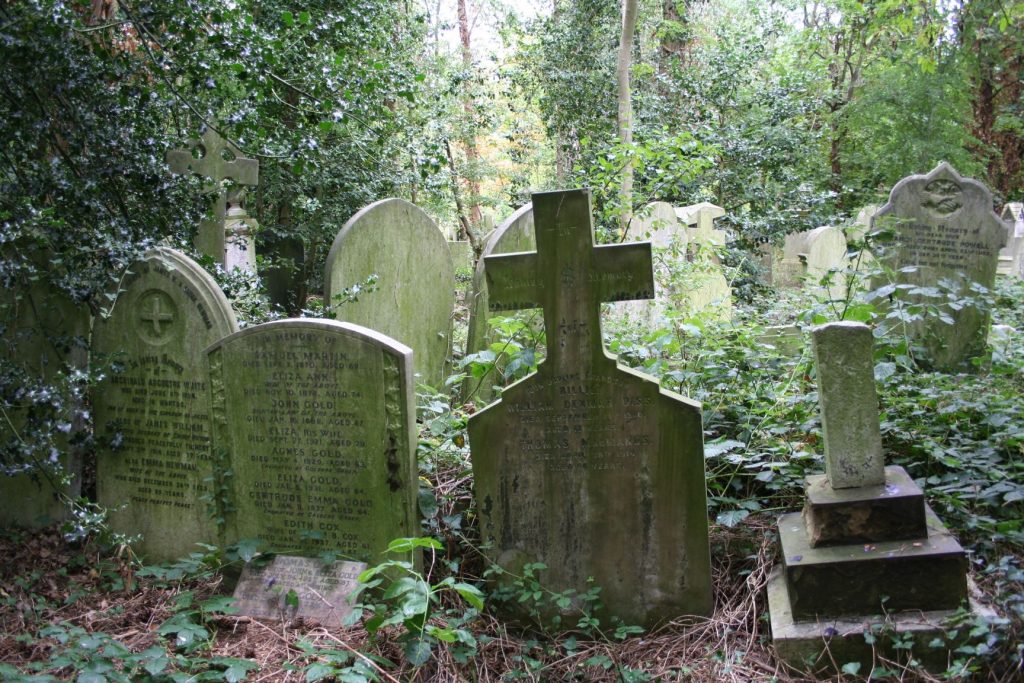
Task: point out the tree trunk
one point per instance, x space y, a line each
625 117
469 140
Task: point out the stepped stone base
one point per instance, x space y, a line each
888 512
925 574
824 646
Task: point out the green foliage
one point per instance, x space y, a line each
394 593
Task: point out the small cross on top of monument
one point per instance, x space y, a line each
569 277
218 160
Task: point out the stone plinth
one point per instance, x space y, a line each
891 511
833 581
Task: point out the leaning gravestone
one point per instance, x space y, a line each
152 407
945 232
289 587
824 253
514 234
316 421
415 296
584 466
44 336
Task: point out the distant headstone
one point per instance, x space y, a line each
415 296
316 421
584 466
289 587
462 254
945 230
1011 256
788 268
658 224
513 235
857 232
152 407
702 232
843 352
227 237
824 252
866 549
44 335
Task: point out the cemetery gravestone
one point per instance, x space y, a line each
587 467
657 223
866 542
825 251
227 237
945 231
513 235
415 296
319 590
701 221
44 336
1011 257
152 407
315 419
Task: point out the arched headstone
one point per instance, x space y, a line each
415 295
316 419
513 235
152 408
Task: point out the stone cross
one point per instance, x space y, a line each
849 404
589 468
228 238
218 160
156 315
587 276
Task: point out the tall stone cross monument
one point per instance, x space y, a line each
585 466
227 237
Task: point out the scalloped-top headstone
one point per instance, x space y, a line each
945 231
513 235
587 467
152 407
415 295
316 420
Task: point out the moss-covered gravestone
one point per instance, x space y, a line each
866 549
153 464
415 292
946 242
584 466
44 335
315 421
513 235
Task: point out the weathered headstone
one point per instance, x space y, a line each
945 230
316 421
289 587
585 466
867 548
700 219
1011 257
825 252
227 237
152 410
513 235
415 296
788 268
844 356
45 336
658 224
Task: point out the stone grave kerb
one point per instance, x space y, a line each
585 275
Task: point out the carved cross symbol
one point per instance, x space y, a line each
220 160
156 315
568 276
